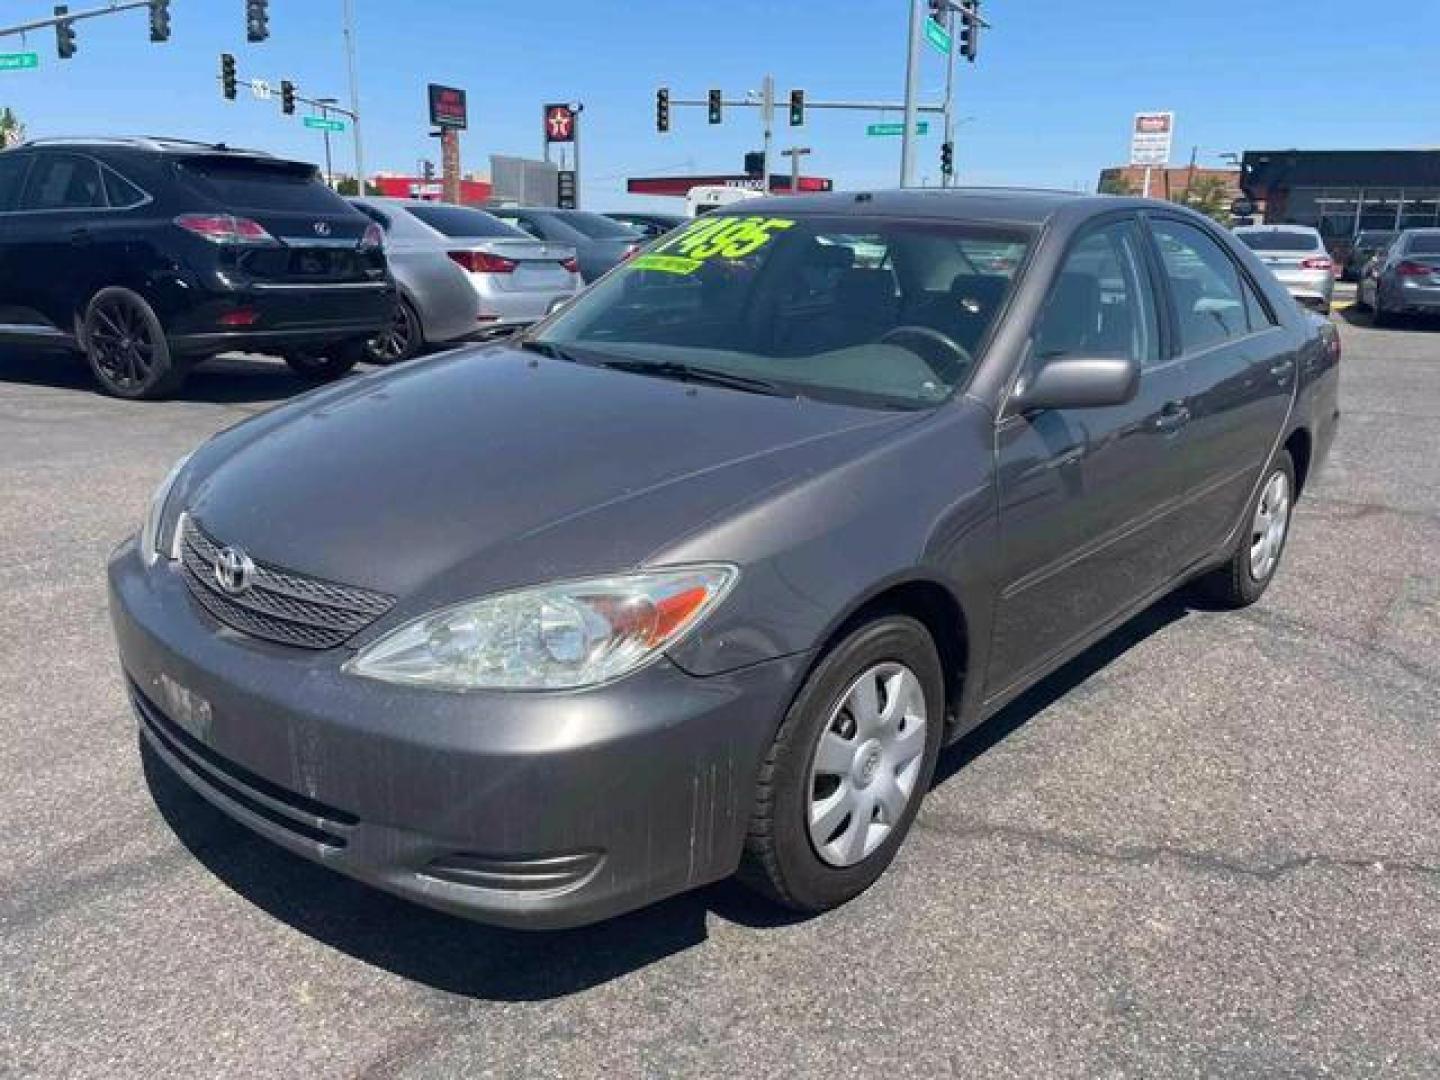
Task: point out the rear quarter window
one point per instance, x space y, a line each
1425 245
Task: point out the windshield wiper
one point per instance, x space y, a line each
673 369
546 348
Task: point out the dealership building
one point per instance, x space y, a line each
1341 192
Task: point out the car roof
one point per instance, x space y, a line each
1010 205
154 143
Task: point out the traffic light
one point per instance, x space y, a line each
970 32
257 20
159 20
662 109
716 107
939 9
287 97
947 159
754 162
797 107
427 169
64 33
227 75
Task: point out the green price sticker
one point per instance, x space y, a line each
669 264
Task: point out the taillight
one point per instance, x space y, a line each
225 229
481 262
571 265
1413 269
630 252
374 238
1318 262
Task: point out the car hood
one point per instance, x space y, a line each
491 467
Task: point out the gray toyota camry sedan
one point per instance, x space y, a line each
700 574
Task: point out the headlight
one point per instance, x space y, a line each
150 535
551 637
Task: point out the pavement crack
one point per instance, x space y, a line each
1164 852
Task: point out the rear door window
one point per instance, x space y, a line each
1204 283
63 182
256 184
12 177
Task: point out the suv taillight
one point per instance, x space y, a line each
571 265
374 238
225 229
1413 269
1318 262
481 262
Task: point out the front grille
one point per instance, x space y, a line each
278 605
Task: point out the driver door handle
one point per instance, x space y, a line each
81 236
1174 416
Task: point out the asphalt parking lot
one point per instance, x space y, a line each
1208 847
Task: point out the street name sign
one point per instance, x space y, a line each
324 123
937 36
922 127
19 61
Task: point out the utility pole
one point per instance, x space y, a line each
324 104
912 91
354 97
577 108
794 154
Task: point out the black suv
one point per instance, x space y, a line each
149 255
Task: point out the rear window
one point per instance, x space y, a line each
461 221
1280 241
1429 244
248 184
598 227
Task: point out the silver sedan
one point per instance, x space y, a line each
1404 279
463 273
1296 255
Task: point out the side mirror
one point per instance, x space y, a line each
1080 382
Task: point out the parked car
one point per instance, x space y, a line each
461 271
1368 243
700 573
1296 255
149 255
1404 279
599 243
648 223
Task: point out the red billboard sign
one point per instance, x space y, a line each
560 123
447 107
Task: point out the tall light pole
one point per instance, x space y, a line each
912 91
354 96
947 177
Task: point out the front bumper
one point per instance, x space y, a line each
531 810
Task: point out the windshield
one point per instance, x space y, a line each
460 221
597 226
885 313
1281 241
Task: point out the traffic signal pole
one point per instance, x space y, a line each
354 97
912 93
947 176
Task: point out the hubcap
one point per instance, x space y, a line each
120 338
864 770
391 343
1267 532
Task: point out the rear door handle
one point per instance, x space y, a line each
1283 369
1174 416
81 236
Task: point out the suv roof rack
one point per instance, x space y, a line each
158 143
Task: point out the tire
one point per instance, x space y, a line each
783 860
1360 303
126 347
327 363
1379 317
401 341
1249 570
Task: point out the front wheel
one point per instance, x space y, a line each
327 363
127 348
848 768
1252 565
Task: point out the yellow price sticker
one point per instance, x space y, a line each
725 237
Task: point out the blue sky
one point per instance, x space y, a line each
1052 95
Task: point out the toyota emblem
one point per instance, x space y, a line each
234 570
322 228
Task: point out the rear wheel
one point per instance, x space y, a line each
127 349
848 768
327 362
399 341
1252 565
1378 315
